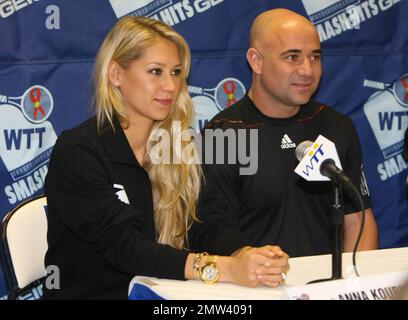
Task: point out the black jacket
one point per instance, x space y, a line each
98 241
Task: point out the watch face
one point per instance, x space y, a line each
210 273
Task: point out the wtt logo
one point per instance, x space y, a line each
315 158
26 140
387 113
209 102
321 150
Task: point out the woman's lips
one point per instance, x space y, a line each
165 102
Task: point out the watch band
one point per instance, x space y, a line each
197 264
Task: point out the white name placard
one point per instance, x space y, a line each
377 287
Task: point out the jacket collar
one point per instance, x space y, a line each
116 145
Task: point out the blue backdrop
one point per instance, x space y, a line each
47 51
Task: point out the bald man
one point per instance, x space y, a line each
274 205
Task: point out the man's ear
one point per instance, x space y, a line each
254 58
114 74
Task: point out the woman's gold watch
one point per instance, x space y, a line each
209 272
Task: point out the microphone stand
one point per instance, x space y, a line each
337 221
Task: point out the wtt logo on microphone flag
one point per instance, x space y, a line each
26 140
309 166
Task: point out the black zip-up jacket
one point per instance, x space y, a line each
97 240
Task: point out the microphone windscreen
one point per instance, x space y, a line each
302 149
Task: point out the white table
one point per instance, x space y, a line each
302 270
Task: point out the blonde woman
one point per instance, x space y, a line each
113 212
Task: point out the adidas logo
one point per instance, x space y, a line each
287 143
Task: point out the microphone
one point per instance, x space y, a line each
302 149
319 161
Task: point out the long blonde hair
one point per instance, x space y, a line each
175 186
